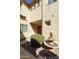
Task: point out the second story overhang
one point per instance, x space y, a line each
32 4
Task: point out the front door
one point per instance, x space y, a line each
39 29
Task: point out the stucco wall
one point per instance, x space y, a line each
35 14
50 12
26 12
30 30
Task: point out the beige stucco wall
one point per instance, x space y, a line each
24 11
31 16
50 12
30 30
35 14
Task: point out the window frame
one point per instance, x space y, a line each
51 1
23 28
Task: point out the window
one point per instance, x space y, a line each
51 1
23 28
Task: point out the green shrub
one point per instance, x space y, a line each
37 40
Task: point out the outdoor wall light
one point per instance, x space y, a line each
55 0
48 22
52 15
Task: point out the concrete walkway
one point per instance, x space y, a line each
27 51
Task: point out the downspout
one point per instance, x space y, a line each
42 15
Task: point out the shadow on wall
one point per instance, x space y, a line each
33 27
22 37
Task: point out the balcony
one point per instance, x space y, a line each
32 11
35 15
32 4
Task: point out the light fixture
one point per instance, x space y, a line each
48 22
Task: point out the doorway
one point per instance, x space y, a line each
39 29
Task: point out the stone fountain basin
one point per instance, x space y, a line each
50 44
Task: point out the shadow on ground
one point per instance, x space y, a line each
27 46
44 54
